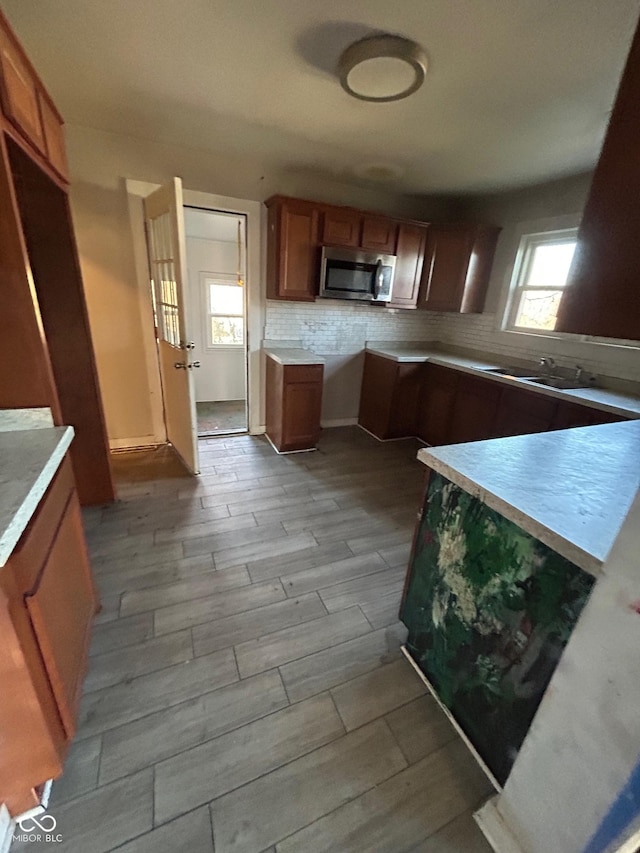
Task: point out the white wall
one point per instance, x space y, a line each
222 372
585 740
557 204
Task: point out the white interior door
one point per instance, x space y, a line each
164 220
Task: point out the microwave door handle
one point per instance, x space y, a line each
379 280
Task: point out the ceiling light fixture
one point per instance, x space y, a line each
382 68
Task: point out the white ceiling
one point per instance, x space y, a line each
517 91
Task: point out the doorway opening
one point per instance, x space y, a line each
216 243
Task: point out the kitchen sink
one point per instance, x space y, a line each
556 382
517 372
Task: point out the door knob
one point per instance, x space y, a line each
180 365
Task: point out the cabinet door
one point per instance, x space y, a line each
293 263
61 609
379 235
406 397
341 227
376 395
20 91
439 387
54 137
409 260
522 412
301 407
445 268
569 415
474 409
602 296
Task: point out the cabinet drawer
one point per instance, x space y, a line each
31 552
302 373
20 91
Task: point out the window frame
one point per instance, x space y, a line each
529 242
220 278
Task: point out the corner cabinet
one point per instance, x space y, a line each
389 397
457 266
292 249
47 603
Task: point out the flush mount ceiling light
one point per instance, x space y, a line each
382 68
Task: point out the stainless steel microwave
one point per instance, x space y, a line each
352 274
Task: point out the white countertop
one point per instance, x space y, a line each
598 398
293 355
12 419
571 489
29 460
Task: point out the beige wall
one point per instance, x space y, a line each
99 163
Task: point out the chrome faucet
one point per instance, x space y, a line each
579 373
547 364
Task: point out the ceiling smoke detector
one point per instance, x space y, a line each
382 68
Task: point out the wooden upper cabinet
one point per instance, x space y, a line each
603 296
292 252
54 136
409 264
457 266
379 234
20 89
341 227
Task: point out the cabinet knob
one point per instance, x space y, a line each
194 364
180 365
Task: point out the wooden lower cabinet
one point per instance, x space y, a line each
474 410
47 602
389 397
521 412
293 405
441 405
439 388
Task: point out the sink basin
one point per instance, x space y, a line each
556 382
517 372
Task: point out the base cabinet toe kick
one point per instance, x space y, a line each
47 603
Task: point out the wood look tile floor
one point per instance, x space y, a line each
246 692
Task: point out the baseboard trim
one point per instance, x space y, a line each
494 829
451 719
134 443
383 440
288 452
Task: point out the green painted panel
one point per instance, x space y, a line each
489 611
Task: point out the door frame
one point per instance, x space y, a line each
136 191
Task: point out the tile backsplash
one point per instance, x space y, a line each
335 328
332 328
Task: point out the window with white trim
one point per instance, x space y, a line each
224 311
540 276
